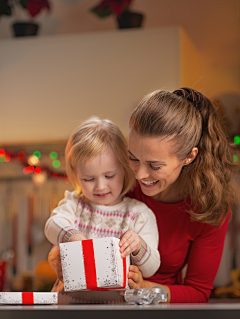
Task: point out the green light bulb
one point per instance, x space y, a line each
53 155
237 139
37 154
235 158
56 163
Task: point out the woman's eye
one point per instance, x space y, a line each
154 167
110 176
89 180
133 159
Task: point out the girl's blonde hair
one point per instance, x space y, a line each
92 138
191 120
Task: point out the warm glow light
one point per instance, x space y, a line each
39 179
33 160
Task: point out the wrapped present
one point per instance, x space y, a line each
94 264
28 298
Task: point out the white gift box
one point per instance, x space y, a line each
28 298
94 264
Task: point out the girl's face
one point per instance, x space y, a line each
156 169
101 178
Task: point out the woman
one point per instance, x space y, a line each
183 164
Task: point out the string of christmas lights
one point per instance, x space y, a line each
31 165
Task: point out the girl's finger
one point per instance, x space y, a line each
129 250
127 243
125 238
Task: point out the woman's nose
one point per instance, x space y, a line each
140 172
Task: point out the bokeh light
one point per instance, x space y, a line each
33 160
37 154
53 155
39 179
237 139
21 154
56 163
7 158
2 153
37 170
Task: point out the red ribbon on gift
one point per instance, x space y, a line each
27 298
90 269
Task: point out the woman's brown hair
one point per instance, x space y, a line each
190 120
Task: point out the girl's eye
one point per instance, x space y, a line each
154 167
110 176
133 159
89 180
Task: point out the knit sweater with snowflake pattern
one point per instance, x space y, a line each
74 216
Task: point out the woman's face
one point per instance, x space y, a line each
154 166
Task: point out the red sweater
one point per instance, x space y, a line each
181 242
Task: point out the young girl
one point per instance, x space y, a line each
97 166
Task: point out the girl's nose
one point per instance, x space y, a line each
100 185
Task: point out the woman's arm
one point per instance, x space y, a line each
203 262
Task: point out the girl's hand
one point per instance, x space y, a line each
54 260
77 237
130 243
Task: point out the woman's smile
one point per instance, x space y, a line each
149 184
154 166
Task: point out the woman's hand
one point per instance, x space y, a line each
130 243
54 260
135 279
